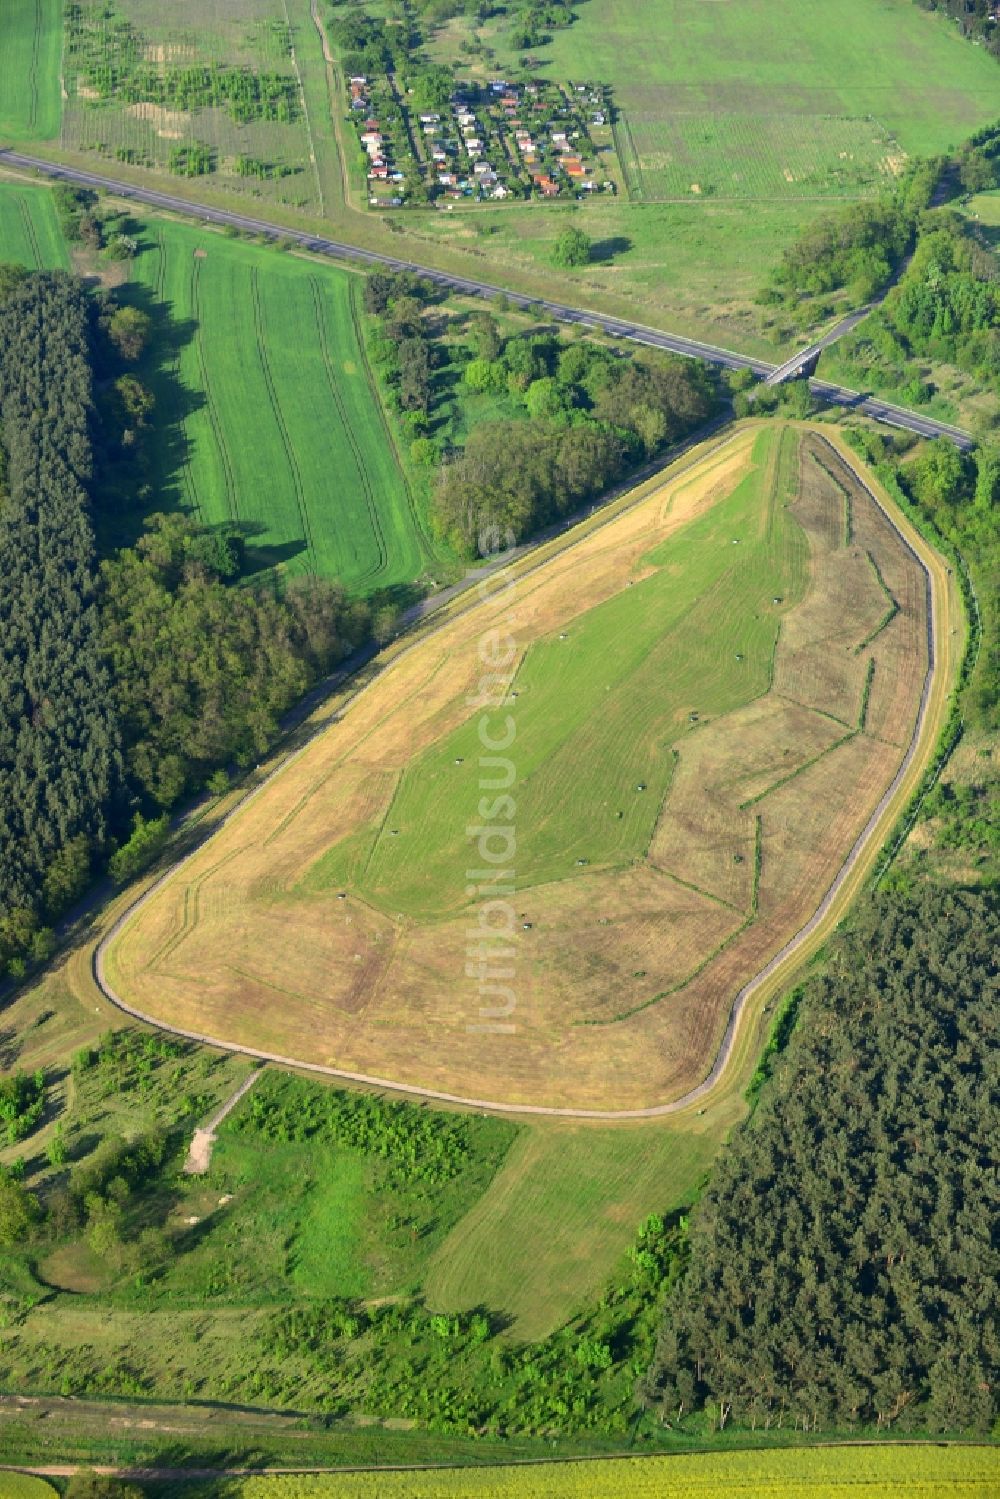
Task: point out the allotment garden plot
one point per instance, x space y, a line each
695 712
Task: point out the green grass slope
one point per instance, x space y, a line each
776 98
30 54
29 231
267 414
600 707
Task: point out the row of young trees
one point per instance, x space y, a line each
843 1263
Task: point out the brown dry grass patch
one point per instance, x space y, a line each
625 977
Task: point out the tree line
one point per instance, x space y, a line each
126 684
61 761
843 1267
859 246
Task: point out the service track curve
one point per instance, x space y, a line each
777 971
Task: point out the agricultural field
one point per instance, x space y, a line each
23 1486
29 230
704 723
872 1472
702 154
220 100
30 51
284 436
768 101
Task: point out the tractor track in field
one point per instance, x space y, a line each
36 40
272 394
341 408
29 232
215 421
784 959
386 426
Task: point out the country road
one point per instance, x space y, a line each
673 343
824 918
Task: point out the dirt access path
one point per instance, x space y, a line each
199 1157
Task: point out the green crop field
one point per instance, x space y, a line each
267 413
29 231
23 1486
30 49
776 98
873 1472
599 710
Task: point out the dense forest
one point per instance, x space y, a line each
203 671
127 683
60 754
581 417
844 1269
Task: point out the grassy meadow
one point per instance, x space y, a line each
693 267
267 415
24 1486
875 1472
30 52
548 1231
776 100
600 708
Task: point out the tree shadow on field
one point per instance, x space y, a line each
989 234
603 250
149 475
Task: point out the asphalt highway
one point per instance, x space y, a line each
691 348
